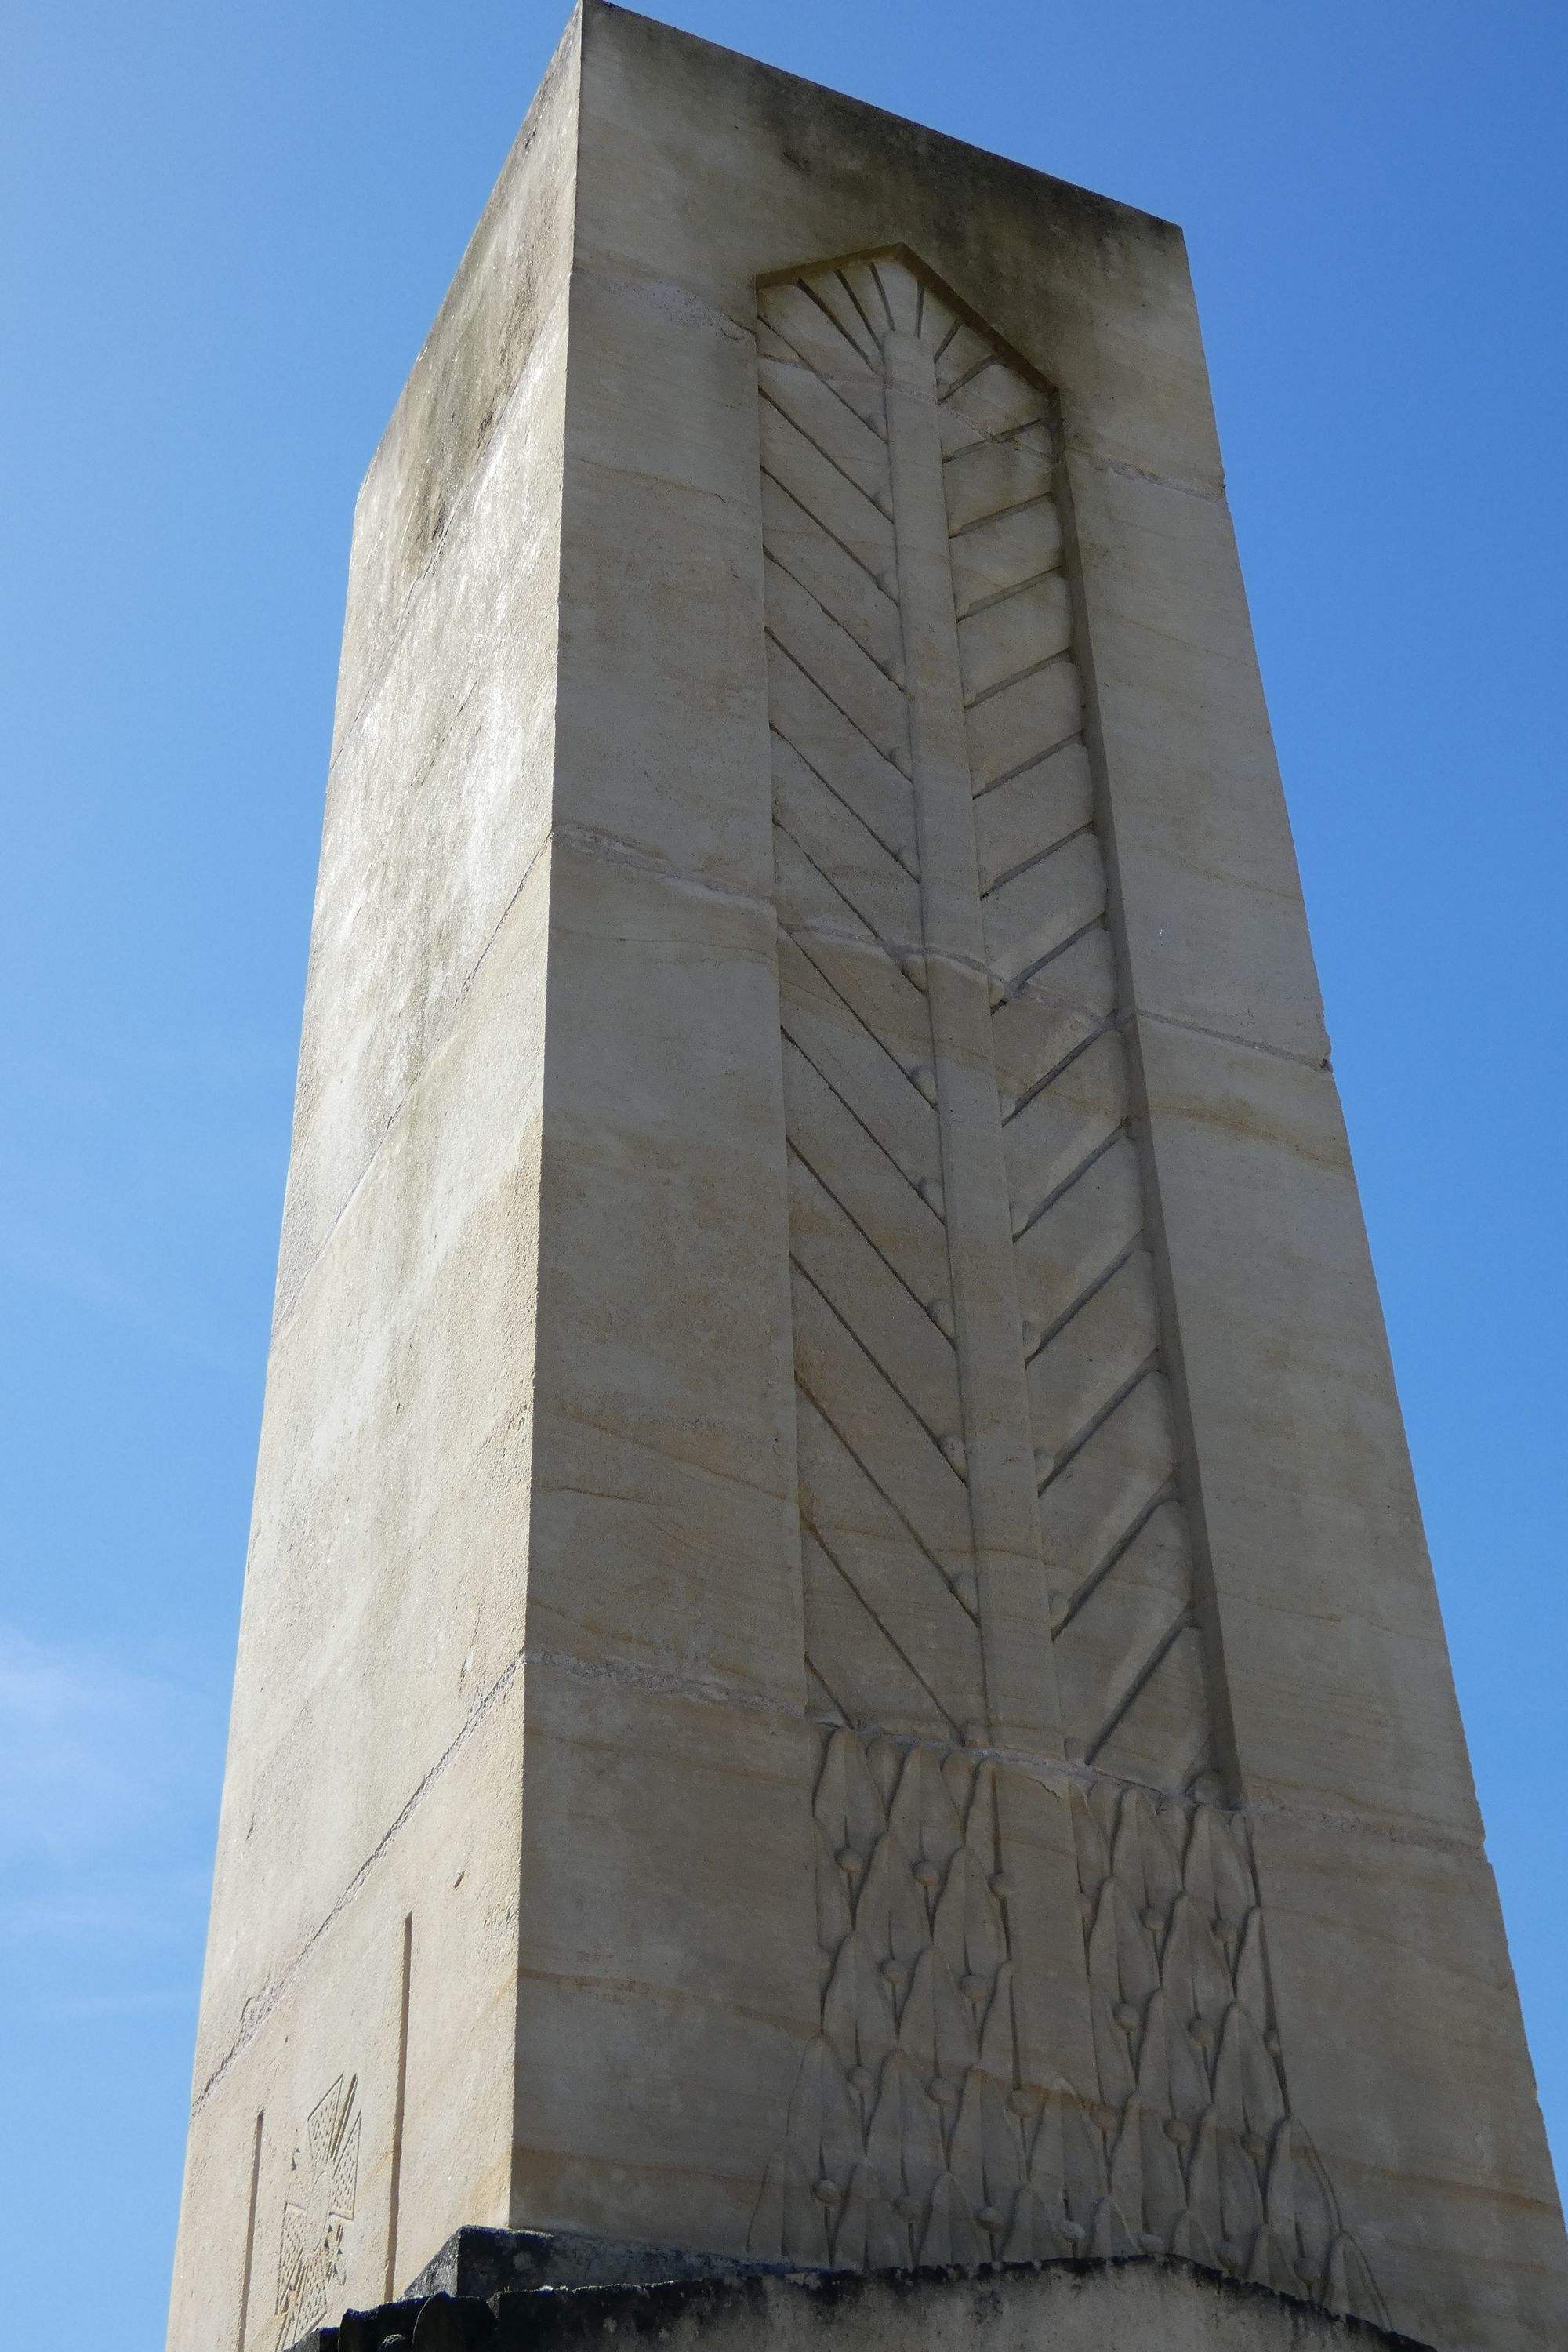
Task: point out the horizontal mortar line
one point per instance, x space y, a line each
1131 473
469 495
1020 980
573 836
1003 595
995 514
1030 669
1075 1053
1037 858
593 841
885 1630
1082 1168
829 786
870 937
817 375
1343 1824
606 1982
871 1480
810 364
890 1380
1071 1314
940 1748
792 1144
834 621
828 533
848 716
689 1463
613 272
261 2006
1009 436
837 935
844 1104
1166 1492
1060 1775
285 1307
872 360
894 950
1229 1038
1139 1683
720 502
1088 1431
827 457
1033 760
661 1682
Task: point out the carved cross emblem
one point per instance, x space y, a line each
323 2180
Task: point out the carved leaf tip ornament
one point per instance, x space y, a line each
913 2137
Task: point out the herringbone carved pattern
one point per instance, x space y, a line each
1113 1530
893 1634
913 2136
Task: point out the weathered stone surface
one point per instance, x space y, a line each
838 1664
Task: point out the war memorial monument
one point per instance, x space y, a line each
842 1729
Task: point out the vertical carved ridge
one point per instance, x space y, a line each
1020 1685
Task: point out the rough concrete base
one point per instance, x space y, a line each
1138 2305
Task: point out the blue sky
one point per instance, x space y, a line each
224 229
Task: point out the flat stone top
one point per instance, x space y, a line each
1139 2305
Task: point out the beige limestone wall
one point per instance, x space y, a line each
817 1171
352 2093
1294 1473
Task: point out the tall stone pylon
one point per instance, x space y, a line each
838 1664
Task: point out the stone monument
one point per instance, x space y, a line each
838 1671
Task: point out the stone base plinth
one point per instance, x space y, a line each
1131 2305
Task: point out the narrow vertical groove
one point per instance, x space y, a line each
250 2231
394 2188
1020 1676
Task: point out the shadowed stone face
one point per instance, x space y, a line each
838 1666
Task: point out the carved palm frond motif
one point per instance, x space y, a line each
996 1551
970 1271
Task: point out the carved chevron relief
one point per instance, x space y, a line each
995 1554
